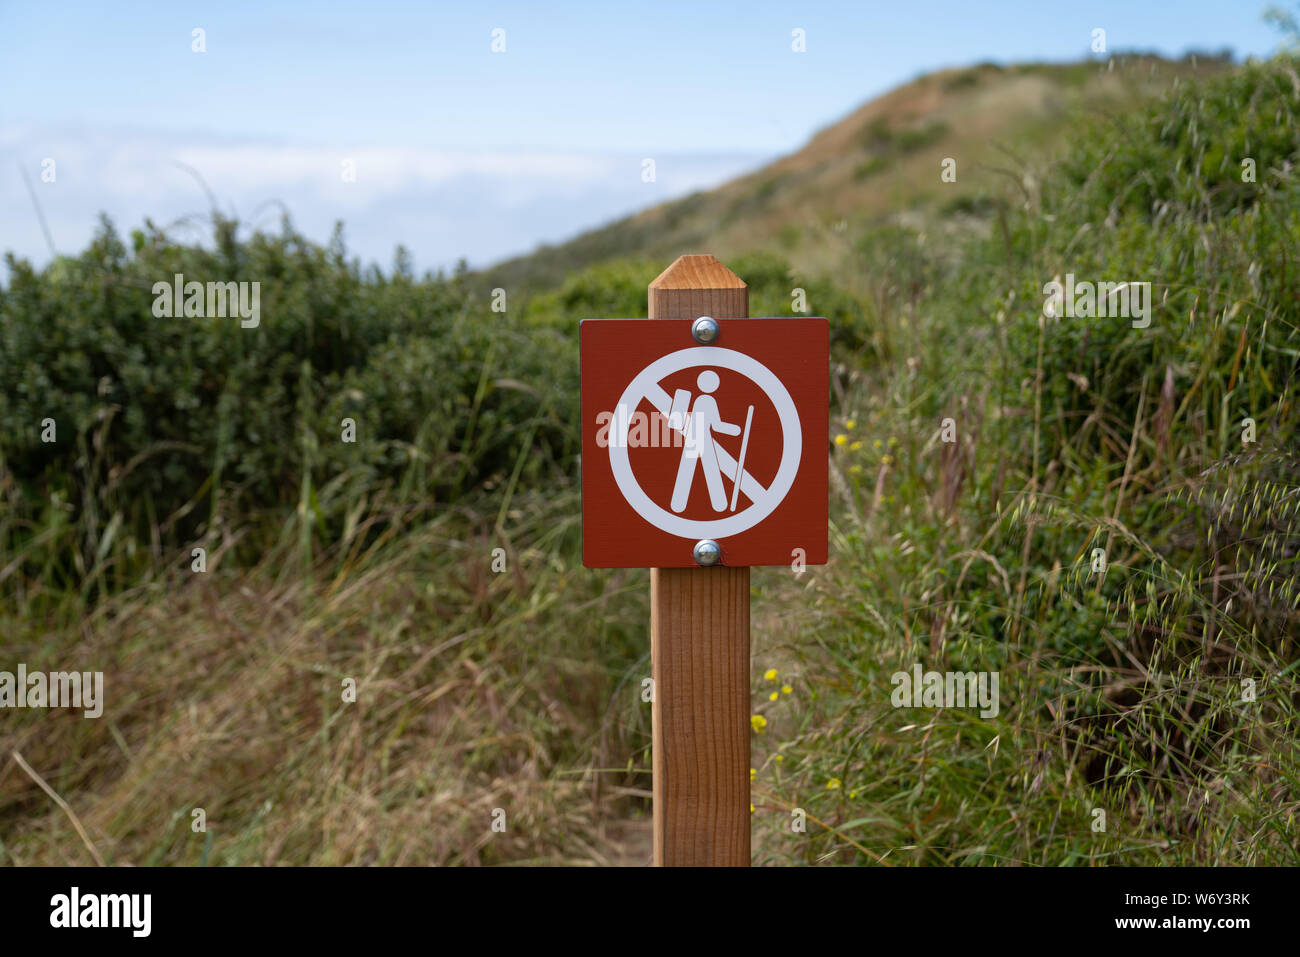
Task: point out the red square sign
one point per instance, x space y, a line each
668 423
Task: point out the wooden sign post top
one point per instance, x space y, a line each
691 284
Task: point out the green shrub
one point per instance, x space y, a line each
170 427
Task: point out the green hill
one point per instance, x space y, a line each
880 163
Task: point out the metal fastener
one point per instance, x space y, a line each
707 551
705 330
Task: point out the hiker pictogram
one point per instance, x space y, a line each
699 449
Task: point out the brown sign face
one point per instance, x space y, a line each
683 442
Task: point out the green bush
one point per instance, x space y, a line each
168 427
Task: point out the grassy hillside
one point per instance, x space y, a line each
1149 710
880 163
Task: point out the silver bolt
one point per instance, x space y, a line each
705 330
707 551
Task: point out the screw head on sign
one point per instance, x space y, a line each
707 551
705 330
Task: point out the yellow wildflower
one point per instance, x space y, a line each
773 696
841 439
851 424
786 689
757 722
833 784
770 674
854 446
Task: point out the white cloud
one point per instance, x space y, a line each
440 204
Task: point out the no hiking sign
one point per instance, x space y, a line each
704 432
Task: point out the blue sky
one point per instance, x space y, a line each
462 151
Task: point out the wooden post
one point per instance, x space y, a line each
699 650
